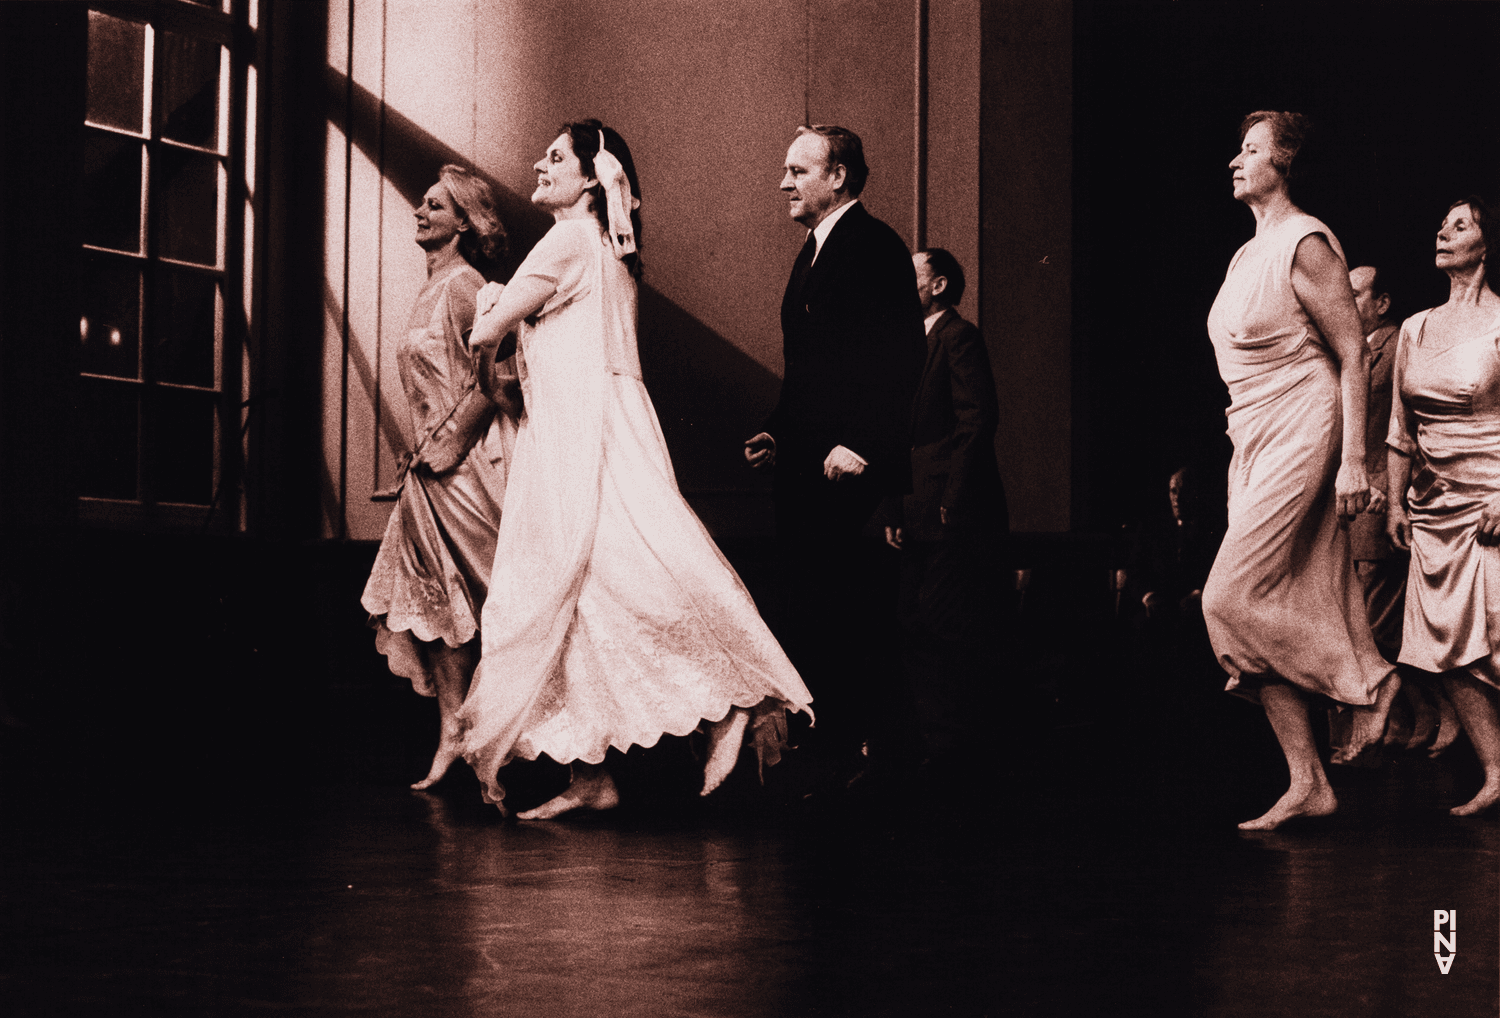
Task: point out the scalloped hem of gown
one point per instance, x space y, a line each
525 748
401 655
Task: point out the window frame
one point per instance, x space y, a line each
225 510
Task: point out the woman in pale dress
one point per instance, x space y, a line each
1445 414
1284 610
612 618
434 563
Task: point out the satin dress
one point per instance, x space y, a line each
612 618
1445 414
432 572
1282 600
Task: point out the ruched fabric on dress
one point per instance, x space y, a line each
612 617
1445 414
1282 600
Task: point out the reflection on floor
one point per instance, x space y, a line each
371 900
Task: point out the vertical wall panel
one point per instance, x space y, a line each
364 518
953 138
1026 153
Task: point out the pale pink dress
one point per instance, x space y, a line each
1282 599
612 618
433 568
1445 414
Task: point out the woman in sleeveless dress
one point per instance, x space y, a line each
612 617
1445 415
1285 613
434 563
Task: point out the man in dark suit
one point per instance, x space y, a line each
852 333
954 524
1381 568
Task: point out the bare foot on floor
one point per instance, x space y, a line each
724 741
1314 801
1487 797
449 750
1367 732
591 789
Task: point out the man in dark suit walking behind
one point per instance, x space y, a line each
852 334
954 526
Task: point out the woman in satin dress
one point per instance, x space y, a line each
612 618
1285 612
433 568
1444 470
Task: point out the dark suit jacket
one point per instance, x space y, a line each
953 424
853 350
1367 540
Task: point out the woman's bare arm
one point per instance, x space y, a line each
1321 283
502 309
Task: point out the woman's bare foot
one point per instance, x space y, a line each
724 741
591 788
1315 800
450 748
1487 797
1368 729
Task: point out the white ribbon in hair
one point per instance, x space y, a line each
618 199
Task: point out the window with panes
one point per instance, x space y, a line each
159 266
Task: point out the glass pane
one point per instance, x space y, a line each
182 446
183 328
188 200
189 87
117 72
108 451
110 325
111 191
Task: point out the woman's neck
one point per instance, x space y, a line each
581 209
1272 210
1467 288
442 258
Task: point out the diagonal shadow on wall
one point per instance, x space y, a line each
709 395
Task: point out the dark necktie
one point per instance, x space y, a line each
803 265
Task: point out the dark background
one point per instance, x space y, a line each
1404 99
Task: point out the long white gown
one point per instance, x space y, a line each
612 617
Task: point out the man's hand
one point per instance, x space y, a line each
893 537
842 462
1377 500
760 451
1397 526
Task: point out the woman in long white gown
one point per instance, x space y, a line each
612 618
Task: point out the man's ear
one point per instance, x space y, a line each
1383 304
840 174
939 285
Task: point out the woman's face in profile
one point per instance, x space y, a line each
1254 176
560 182
438 218
1460 244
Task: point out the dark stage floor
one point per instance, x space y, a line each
236 838
365 899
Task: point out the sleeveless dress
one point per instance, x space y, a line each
1282 599
433 568
612 617
1445 414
